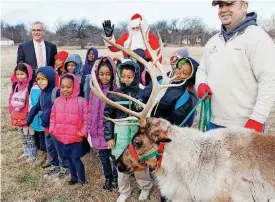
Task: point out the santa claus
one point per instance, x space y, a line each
134 30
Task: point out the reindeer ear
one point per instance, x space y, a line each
161 136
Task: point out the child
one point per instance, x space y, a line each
19 107
129 76
45 79
70 127
60 59
91 57
36 125
177 102
74 65
106 76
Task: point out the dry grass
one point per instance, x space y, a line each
24 182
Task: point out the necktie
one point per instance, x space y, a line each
40 62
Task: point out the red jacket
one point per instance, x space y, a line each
153 41
65 121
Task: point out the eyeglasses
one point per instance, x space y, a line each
37 30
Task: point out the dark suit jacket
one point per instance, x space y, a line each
26 54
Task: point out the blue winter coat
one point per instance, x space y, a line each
34 97
45 99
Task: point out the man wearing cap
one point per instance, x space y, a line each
137 42
237 69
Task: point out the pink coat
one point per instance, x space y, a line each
21 85
65 121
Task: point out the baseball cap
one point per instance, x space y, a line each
215 2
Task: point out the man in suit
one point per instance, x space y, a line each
37 53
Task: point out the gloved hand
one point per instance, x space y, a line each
254 125
108 28
138 107
202 89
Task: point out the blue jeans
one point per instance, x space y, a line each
212 126
109 170
55 158
76 169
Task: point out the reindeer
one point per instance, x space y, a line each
222 165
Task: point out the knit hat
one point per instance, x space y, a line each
176 56
62 55
136 20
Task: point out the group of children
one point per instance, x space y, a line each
60 116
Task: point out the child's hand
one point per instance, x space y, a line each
111 144
80 134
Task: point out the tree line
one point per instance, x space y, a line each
184 31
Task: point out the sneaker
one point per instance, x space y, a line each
73 181
108 184
122 198
82 183
29 160
54 170
63 173
144 194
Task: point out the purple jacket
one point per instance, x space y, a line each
96 108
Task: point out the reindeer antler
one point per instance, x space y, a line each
158 90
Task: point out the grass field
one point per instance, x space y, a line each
24 182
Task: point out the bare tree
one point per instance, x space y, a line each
18 33
76 32
162 28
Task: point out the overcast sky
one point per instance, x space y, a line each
50 12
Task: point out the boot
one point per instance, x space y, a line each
45 163
114 183
108 184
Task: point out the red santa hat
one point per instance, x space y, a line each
136 20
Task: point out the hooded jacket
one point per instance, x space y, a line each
251 19
131 90
167 107
45 98
66 121
78 71
96 109
21 85
241 75
87 68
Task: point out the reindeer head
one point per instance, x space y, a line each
143 151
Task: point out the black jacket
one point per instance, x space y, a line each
131 90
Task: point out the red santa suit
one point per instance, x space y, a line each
137 42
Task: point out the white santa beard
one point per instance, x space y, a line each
137 41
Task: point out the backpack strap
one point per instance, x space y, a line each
14 86
143 78
53 96
182 100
